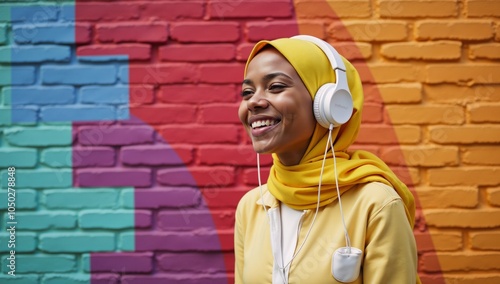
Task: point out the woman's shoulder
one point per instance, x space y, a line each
251 197
373 193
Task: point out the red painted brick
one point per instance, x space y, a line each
194 219
198 134
106 11
155 155
99 177
115 135
133 51
221 73
250 176
243 51
162 73
198 94
173 10
270 30
141 94
199 176
82 33
197 52
132 32
221 9
228 155
220 113
165 114
205 31
223 197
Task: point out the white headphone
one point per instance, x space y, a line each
333 101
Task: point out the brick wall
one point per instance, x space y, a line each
120 118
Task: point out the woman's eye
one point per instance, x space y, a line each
245 93
276 87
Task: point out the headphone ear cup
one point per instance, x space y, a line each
332 105
319 104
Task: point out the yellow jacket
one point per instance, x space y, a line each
376 222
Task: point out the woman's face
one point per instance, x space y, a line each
276 108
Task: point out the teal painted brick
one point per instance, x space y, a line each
59 178
57 157
127 198
3 33
106 219
24 242
42 220
66 279
18 157
25 199
76 242
43 263
126 241
34 54
19 279
39 136
80 199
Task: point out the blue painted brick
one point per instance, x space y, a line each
123 113
102 58
23 115
106 219
67 13
79 278
3 33
78 75
57 157
33 14
39 136
42 220
104 95
44 33
20 96
77 242
18 157
25 199
17 75
19 279
123 74
61 178
34 54
80 199
24 242
77 113
45 263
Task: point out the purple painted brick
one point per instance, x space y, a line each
121 262
93 157
184 220
143 219
177 176
113 177
176 278
115 135
104 278
201 240
194 262
167 197
153 155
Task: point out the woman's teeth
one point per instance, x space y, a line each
261 123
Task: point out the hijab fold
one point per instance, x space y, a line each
297 185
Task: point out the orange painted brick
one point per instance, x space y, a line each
453 29
470 73
467 260
418 9
493 195
437 50
312 27
485 240
382 134
426 114
462 95
388 73
469 278
472 176
372 112
369 31
354 50
481 155
447 197
436 240
482 8
398 93
466 134
332 9
497 32
409 176
463 218
485 51
484 112
424 156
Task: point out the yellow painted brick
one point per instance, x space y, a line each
447 197
466 134
456 261
482 8
424 156
369 31
426 114
389 73
354 50
469 278
463 218
383 134
461 95
484 112
470 73
453 29
493 195
306 9
437 50
485 240
485 51
314 28
418 8
473 176
481 155
497 32
403 93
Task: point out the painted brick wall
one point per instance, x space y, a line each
120 118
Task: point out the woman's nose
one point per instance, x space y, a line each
258 100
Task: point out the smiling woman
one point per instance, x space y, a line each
294 229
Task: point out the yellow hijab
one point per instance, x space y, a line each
297 185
